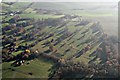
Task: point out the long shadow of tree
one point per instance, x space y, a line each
92 60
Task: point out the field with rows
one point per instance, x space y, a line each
38 40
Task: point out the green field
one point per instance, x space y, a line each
35 67
73 32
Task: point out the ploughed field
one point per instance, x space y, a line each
56 37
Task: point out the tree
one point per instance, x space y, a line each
51 47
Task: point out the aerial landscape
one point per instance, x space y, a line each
59 40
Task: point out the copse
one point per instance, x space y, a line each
80 70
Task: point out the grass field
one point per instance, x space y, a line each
35 67
38 16
68 46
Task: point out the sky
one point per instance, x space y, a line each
62 0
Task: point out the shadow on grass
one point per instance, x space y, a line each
47 51
92 60
44 59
